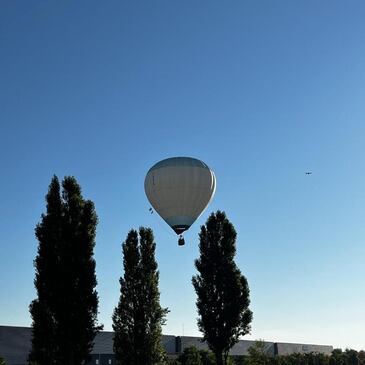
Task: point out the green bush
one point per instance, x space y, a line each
207 357
257 354
191 356
239 360
172 362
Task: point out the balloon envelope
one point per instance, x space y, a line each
179 189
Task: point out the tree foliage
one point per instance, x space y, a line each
193 356
222 291
347 357
207 357
65 311
138 318
258 355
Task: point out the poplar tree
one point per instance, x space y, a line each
138 318
48 234
65 311
222 291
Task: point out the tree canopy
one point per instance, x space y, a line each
222 291
65 312
138 318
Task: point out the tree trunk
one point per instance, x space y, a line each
219 358
71 358
225 357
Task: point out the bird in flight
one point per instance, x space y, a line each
308 173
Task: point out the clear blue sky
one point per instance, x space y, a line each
262 91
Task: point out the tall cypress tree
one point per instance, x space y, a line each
138 318
65 312
126 313
154 315
48 234
223 292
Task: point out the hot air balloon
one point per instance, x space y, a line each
179 189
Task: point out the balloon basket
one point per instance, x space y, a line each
181 241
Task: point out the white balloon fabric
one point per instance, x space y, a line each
179 189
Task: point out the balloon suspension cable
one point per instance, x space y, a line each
181 241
